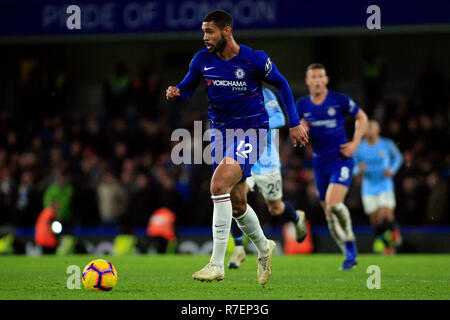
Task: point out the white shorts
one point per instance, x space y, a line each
372 203
270 185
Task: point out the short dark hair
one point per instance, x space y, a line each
220 17
315 65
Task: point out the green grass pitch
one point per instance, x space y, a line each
168 277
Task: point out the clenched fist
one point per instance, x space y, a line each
172 93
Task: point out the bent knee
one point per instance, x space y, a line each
218 188
328 214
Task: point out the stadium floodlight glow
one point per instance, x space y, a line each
56 227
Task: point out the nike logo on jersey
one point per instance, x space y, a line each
206 69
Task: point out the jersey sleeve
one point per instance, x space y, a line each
358 159
276 116
395 156
191 80
350 106
270 74
298 107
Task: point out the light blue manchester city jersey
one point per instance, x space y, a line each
270 159
383 155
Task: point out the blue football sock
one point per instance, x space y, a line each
289 212
350 250
236 233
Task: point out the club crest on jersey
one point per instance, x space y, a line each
239 73
331 112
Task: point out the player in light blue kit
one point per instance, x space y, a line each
239 123
266 176
378 159
324 113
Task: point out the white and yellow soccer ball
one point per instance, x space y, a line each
99 275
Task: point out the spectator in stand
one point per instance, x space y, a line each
86 212
119 156
27 202
95 136
143 202
116 91
146 89
7 188
112 199
438 204
62 191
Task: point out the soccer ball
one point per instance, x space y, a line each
99 275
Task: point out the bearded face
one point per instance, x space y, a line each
214 38
220 45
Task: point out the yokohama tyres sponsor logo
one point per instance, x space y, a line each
229 83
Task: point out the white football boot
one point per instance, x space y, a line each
300 226
237 257
211 272
264 263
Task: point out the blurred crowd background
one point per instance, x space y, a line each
113 166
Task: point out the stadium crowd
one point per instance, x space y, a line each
115 168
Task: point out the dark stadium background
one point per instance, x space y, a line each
89 104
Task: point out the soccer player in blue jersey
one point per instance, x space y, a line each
233 75
266 176
323 113
378 159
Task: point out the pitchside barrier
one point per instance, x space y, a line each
198 240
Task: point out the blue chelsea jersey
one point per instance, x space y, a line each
326 123
378 157
234 88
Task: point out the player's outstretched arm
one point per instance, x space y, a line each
347 149
186 88
396 159
271 75
274 77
